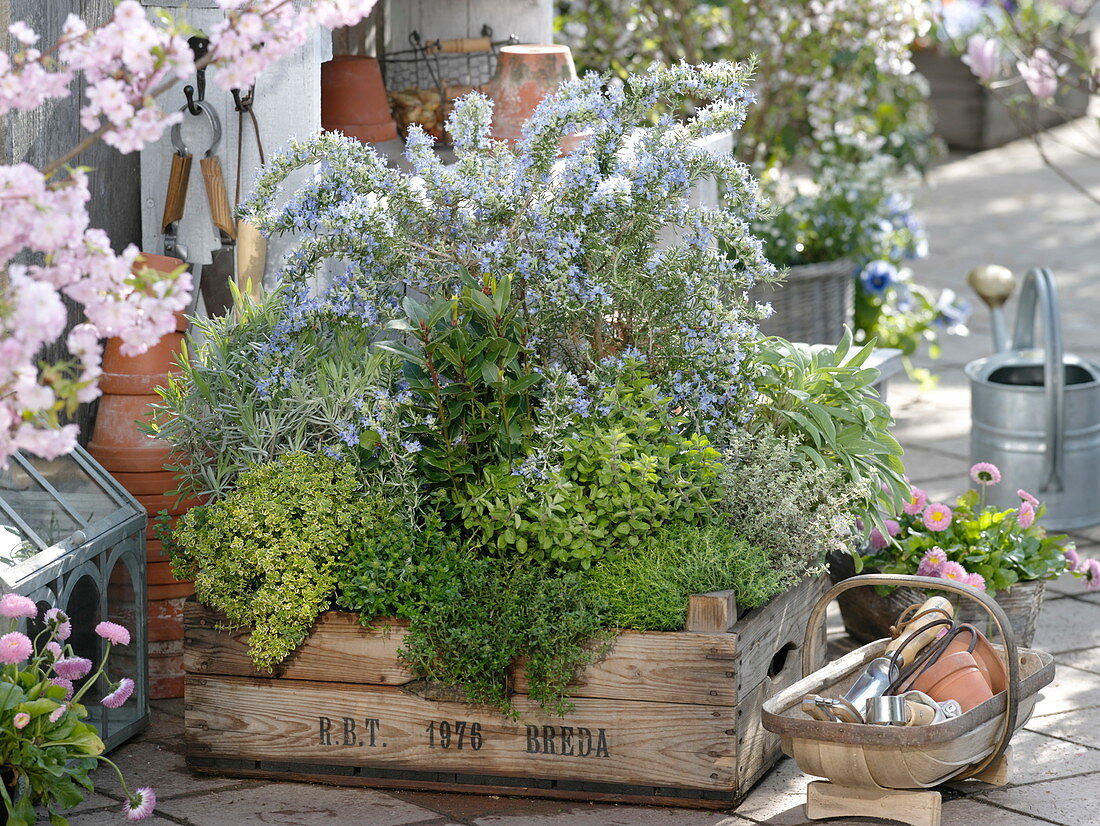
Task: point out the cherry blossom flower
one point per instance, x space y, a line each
983 56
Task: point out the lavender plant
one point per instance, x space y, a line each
585 237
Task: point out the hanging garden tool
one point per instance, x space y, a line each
214 280
251 245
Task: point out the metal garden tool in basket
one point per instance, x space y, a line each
1035 409
888 771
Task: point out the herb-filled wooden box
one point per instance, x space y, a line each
670 718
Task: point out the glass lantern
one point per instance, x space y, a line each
71 537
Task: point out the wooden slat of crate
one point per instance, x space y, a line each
339 650
671 667
640 743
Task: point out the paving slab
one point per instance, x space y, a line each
147 763
1088 660
1070 801
970 812
1039 757
102 818
936 472
779 799
1068 625
1072 689
616 816
1074 726
298 804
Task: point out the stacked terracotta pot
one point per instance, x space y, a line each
353 99
137 461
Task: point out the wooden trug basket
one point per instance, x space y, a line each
872 770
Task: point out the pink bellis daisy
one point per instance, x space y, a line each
878 541
118 697
113 633
985 473
953 571
59 621
1027 497
932 561
21 720
1092 574
975 581
892 527
65 684
917 500
140 804
937 517
14 648
55 650
17 606
1073 561
72 668
58 713
1026 515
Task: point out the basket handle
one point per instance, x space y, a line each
1012 654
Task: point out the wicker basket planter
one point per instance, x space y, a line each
868 615
812 305
664 718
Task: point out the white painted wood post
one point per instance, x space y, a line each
288 104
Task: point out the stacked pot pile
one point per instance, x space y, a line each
137 461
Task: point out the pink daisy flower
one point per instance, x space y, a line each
1026 515
58 713
113 633
1073 561
937 517
21 720
878 541
932 561
65 684
17 606
1027 497
953 571
140 804
54 649
917 500
72 668
1092 574
15 648
118 697
892 527
975 581
59 621
985 473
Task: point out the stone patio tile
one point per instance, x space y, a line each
1038 758
151 764
779 798
612 816
1068 625
1070 801
103 818
970 812
298 804
1088 660
1073 688
94 800
1076 726
942 473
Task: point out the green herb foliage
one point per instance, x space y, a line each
647 587
623 470
494 613
395 568
823 399
265 555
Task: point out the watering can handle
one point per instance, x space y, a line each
1039 290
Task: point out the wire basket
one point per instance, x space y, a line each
424 80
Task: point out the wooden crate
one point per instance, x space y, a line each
968 116
670 718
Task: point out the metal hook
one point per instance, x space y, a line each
215 126
243 103
199 48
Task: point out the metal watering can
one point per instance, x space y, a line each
1035 412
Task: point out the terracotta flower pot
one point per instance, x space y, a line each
117 444
955 676
989 662
525 75
353 99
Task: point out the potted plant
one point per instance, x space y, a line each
46 747
1006 553
497 510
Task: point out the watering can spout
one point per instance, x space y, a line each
994 284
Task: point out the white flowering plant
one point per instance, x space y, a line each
47 747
